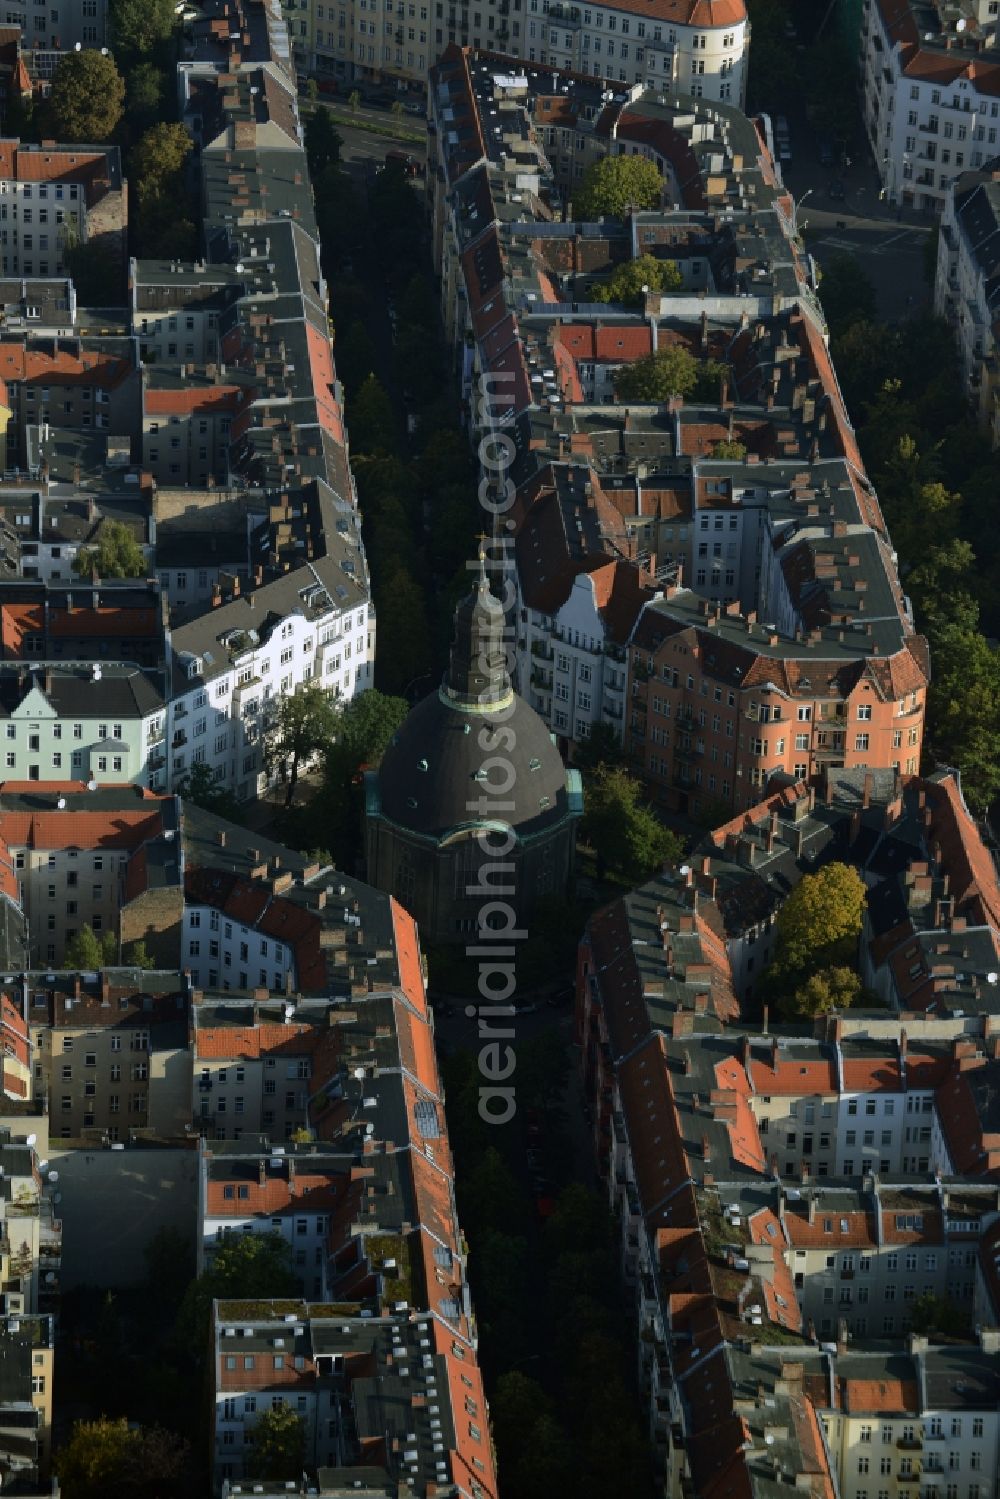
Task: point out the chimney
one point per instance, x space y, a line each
869 787
811 1209
220 837
706 1149
262 1173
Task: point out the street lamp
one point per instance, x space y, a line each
795 210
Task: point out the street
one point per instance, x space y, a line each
889 245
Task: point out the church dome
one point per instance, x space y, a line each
473 752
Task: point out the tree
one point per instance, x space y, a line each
135 955
629 282
624 832
356 358
141 26
931 1314
201 787
963 710
669 372
254 1267
847 293
603 747
617 186
86 952
404 635
279 1444
828 989
170 1266
735 452
305 725
87 97
817 929
145 86
106 1457
98 279
365 725
372 420
322 141
165 210
117 554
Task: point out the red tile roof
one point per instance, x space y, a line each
232 1042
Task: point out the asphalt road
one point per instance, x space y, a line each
888 245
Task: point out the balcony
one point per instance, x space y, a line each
180 739
541 650
909 1444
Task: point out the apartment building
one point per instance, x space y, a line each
930 80
965 290
688 46
104 857
52 196
233 663
721 703
254 1070
113 1057
61 25
349 1380
65 385
256 1190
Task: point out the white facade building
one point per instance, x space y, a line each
931 105
690 46
966 288
233 664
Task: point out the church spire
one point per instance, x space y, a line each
477 676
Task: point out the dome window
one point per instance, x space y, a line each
479 775
421 764
534 764
411 801
543 801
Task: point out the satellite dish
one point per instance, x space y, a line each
61 804
31 1139
961 24
685 869
53 1176
991 978
91 785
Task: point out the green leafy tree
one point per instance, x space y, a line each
253 1267
372 420
847 293
279 1441
200 786
932 1315
616 186
404 633
603 747
107 1457
87 98
135 955
817 930
828 989
145 91
116 555
629 282
170 1266
621 828
672 371
305 724
356 359
141 26
322 141
733 451
165 205
365 725
963 703
87 952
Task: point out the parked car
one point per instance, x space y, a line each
836 190
409 164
